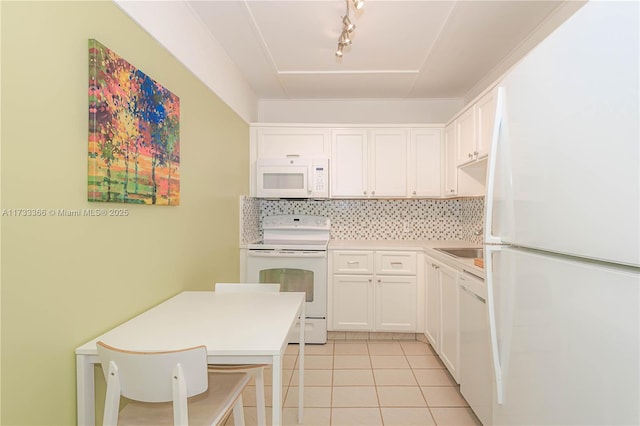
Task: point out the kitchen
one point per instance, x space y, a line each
375 286
209 252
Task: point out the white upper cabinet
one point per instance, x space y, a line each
286 141
349 163
473 133
369 163
364 162
388 162
278 142
450 162
465 126
474 129
485 117
425 163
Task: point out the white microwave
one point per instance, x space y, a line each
292 177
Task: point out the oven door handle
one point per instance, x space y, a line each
280 254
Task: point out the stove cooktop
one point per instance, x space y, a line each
294 232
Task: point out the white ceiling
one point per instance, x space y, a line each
401 49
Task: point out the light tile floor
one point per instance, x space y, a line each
390 383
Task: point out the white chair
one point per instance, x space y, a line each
256 370
168 388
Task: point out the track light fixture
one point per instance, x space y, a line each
344 38
347 27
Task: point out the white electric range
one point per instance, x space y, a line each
293 253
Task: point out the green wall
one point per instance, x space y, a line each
66 280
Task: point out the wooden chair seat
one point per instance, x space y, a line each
168 388
211 407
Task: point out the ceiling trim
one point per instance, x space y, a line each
263 45
334 72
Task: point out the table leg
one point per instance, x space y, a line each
276 390
85 392
301 368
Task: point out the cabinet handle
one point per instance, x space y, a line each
365 192
470 155
414 192
373 192
475 153
293 155
379 281
353 262
396 263
452 190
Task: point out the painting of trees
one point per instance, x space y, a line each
134 133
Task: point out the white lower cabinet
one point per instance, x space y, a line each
353 302
374 291
442 326
395 308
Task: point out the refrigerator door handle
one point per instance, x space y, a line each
495 354
489 237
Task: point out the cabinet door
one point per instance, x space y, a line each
432 304
277 142
396 303
450 324
450 161
466 134
485 116
425 163
349 163
388 163
352 302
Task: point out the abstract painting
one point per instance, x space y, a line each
134 133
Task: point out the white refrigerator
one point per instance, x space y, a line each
562 226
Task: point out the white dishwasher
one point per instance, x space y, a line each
475 347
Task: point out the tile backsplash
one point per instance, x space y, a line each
450 219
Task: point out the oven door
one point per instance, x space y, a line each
299 271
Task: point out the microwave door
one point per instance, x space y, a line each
283 181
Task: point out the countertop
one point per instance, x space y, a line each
426 246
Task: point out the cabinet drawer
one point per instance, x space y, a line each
353 262
396 263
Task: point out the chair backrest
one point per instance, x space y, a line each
246 288
150 376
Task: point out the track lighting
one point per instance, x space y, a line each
344 38
347 27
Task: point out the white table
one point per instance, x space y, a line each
236 328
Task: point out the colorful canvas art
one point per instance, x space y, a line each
134 133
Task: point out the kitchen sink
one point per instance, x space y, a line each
467 253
